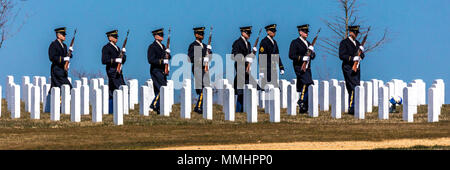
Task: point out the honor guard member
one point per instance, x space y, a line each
156 58
268 49
348 49
242 47
58 55
298 54
197 53
110 58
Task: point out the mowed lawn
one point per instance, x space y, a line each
154 131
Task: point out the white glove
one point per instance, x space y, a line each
261 75
124 50
249 59
209 47
71 49
362 48
118 60
311 48
254 49
68 66
166 61
281 72
356 58
205 60
305 58
66 58
168 51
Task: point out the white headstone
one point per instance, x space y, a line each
171 93
75 103
151 93
359 102
84 91
246 105
441 87
97 106
262 99
252 114
391 90
27 95
101 82
65 99
133 87
275 105
15 109
25 81
324 96
144 101
164 101
46 89
313 101
383 103
105 99
125 92
368 96
55 104
186 105
344 97
413 97
421 91
35 102
42 82
408 114
78 84
70 80
374 92
228 107
84 81
93 84
118 107
36 81
292 100
283 93
268 98
434 108
336 101
207 103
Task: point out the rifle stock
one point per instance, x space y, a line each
119 66
247 69
356 64
69 53
166 66
308 53
208 52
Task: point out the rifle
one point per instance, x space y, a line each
247 69
166 66
356 64
69 53
208 52
119 67
308 53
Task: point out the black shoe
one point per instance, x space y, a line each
199 111
351 112
152 107
303 108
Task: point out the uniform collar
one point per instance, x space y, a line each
159 43
303 40
114 45
351 39
270 38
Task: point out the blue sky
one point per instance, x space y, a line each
419 46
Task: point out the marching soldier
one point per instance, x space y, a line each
110 58
242 48
58 55
156 58
348 49
268 50
197 53
298 54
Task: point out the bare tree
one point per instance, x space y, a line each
90 75
339 26
9 11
